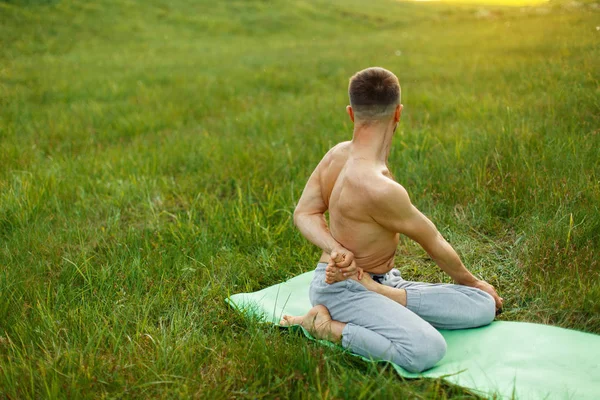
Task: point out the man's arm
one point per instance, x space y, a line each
395 211
309 218
309 215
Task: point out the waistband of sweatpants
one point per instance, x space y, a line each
377 277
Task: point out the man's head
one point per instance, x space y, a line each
374 96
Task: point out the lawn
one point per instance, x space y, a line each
152 153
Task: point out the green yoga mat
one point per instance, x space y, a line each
507 359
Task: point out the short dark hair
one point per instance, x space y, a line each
374 93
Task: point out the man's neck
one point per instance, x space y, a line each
372 141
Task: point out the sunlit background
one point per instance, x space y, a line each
515 3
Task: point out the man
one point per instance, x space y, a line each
359 299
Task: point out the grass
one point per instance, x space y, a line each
151 155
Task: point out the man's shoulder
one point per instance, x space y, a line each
383 190
337 152
339 148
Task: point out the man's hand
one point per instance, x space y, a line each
343 259
342 266
486 287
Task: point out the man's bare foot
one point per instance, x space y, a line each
333 274
318 322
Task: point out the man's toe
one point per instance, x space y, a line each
289 320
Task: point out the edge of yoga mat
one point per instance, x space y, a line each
507 359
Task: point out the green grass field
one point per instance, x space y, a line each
152 152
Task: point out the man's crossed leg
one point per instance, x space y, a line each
378 327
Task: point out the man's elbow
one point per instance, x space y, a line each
302 218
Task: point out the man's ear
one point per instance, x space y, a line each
350 112
398 112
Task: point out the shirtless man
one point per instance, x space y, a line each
359 298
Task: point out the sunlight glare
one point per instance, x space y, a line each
516 3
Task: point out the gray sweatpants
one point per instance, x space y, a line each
380 328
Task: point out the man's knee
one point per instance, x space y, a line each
485 313
422 353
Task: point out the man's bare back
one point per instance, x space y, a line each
347 186
368 210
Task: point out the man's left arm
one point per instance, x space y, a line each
400 215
